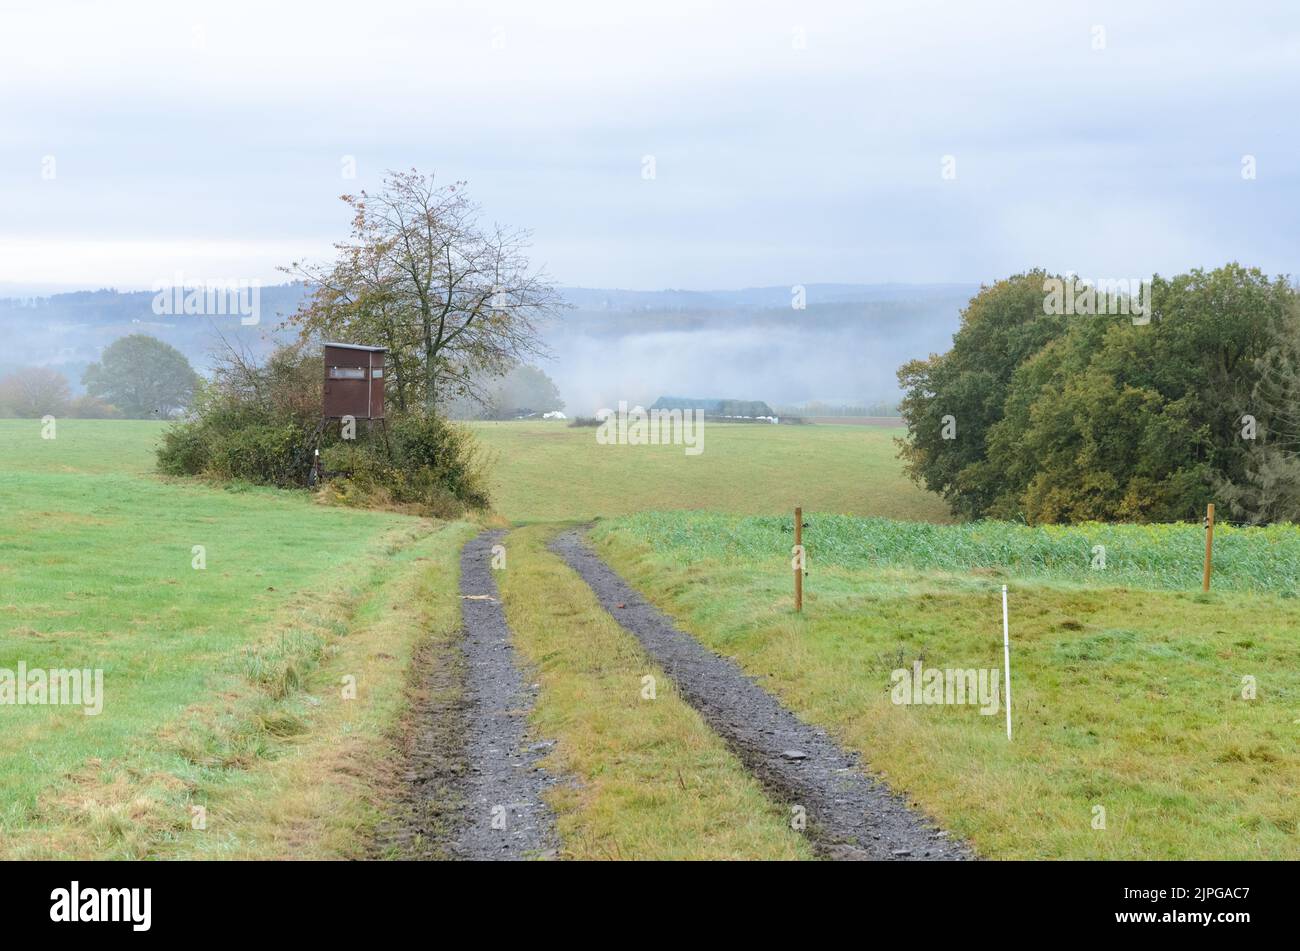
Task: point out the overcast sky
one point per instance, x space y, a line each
794 142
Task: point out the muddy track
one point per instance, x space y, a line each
428 778
503 784
849 815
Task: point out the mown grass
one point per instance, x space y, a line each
80 446
206 672
649 779
1127 695
548 471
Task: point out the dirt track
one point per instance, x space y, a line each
849 815
504 816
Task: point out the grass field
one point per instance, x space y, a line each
1127 695
222 685
549 472
206 671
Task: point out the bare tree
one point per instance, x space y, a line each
34 391
453 300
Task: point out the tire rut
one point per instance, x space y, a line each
504 815
849 815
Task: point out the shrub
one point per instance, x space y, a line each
267 453
184 450
239 434
257 425
430 464
89 407
436 452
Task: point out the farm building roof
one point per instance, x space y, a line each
715 407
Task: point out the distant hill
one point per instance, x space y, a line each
844 345
69 331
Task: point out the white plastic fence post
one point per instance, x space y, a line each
1006 656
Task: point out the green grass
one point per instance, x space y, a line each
1144 556
96 571
649 780
80 446
324 790
222 685
1127 695
549 471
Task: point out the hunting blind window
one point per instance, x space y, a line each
347 373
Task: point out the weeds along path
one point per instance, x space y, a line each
504 815
849 815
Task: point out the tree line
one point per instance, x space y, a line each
136 377
1044 416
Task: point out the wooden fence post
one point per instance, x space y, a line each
1209 545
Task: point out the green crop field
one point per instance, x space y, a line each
1264 560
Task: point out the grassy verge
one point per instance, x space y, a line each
328 788
221 667
291 753
651 780
1126 699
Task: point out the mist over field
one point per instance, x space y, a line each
844 345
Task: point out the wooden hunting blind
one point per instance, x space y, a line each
354 381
